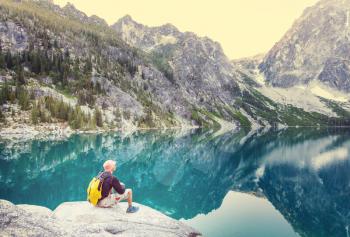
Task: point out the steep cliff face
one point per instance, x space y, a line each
197 66
147 38
200 70
168 79
315 48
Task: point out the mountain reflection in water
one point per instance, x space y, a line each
303 173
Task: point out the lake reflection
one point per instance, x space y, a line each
298 179
243 215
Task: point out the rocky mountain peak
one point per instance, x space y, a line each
332 2
180 78
127 22
152 38
98 20
70 6
195 64
126 19
46 1
145 37
72 11
321 34
168 28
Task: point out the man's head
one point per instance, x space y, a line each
110 165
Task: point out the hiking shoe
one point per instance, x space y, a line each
132 209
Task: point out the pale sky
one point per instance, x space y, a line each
243 27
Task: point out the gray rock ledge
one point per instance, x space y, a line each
82 219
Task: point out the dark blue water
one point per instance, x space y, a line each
294 182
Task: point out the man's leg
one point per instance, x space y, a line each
129 197
131 208
106 202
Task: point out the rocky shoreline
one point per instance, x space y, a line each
58 131
82 219
43 131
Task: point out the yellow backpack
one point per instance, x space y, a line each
94 191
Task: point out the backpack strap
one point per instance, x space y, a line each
99 176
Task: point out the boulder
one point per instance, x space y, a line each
83 219
17 221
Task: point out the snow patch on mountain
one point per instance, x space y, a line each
304 96
297 97
322 90
300 96
260 79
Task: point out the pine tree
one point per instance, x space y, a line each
2 61
44 62
35 113
20 75
12 96
91 124
63 111
149 118
66 55
3 97
66 72
35 62
81 98
76 69
8 60
55 44
42 112
79 118
76 118
23 98
98 117
88 66
2 116
126 114
53 106
4 93
117 114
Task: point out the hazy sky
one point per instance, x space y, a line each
243 27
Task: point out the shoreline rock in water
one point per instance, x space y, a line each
82 219
59 131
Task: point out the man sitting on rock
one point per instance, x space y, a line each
108 198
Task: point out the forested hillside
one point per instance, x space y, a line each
57 65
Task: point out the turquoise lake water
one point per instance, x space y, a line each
292 182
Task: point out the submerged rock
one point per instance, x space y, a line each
82 219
